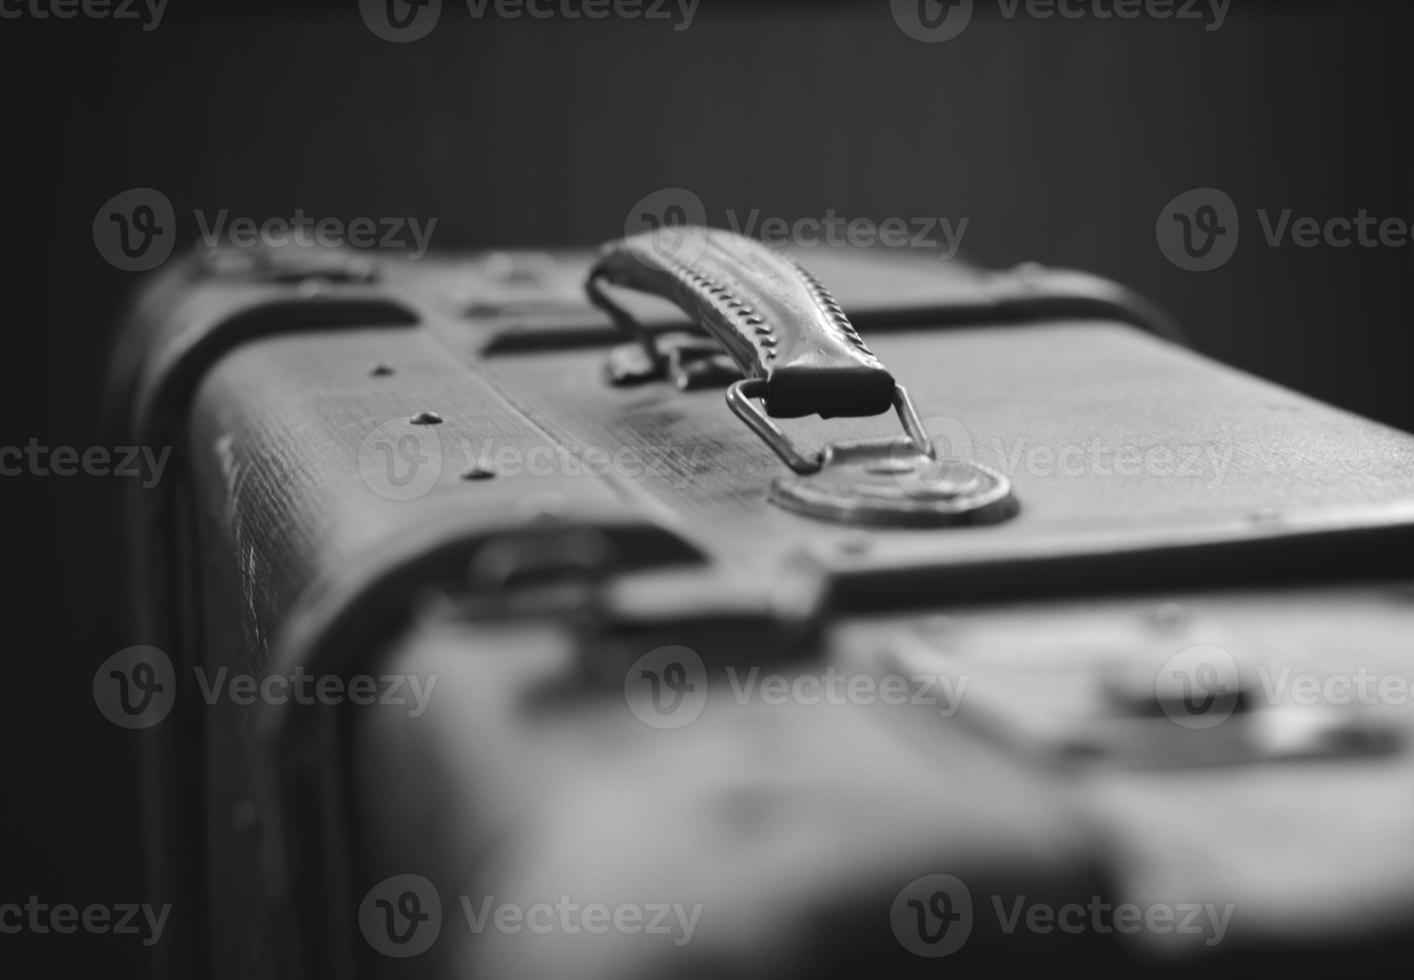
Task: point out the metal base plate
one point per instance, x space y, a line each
891 484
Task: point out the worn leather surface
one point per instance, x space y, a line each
789 828
1115 442
794 826
1226 479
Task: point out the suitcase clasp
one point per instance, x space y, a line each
798 354
898 482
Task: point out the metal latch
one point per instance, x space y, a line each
796 354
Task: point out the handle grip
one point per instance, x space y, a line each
776 320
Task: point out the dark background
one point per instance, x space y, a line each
1060 141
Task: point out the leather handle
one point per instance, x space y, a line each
777 321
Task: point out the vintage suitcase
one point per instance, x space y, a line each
517 630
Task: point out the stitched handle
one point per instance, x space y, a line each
777 321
